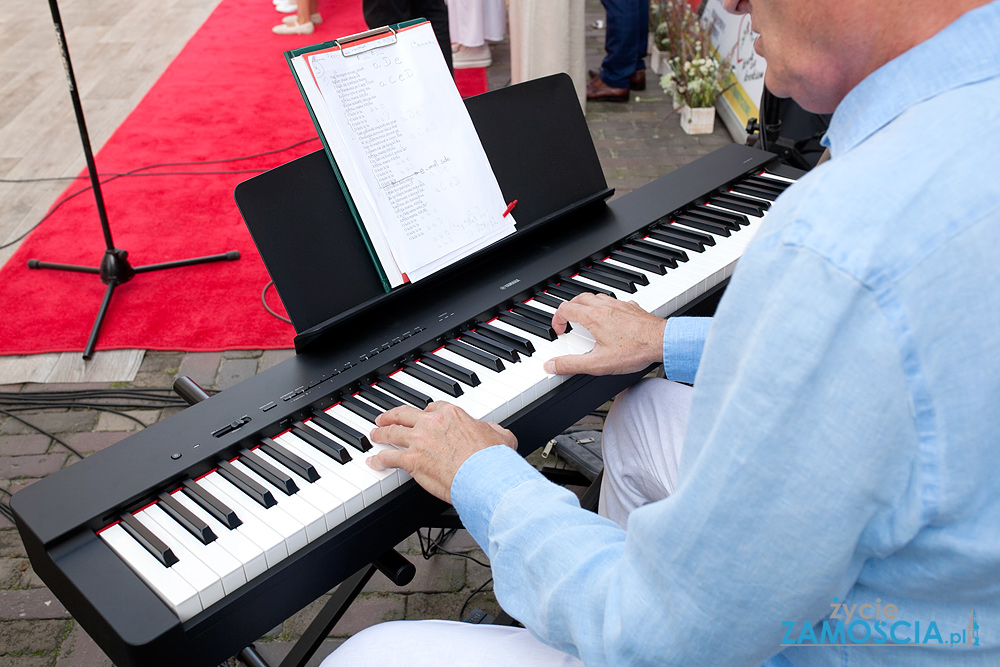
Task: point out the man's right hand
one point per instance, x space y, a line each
628 339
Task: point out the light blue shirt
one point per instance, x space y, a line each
844 438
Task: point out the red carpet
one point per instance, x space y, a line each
228 94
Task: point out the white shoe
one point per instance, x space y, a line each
476 56
292 20
286 7
294 29
455 46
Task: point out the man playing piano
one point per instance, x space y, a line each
835 501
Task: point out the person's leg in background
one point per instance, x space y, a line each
625 45
387 12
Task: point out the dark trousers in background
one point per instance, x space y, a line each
387 12
624 40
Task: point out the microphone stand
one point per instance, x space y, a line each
115 268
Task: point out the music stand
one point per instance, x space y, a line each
115 268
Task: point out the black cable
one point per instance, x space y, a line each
42 431
461 613
434 546
263 300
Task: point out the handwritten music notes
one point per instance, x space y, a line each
407 150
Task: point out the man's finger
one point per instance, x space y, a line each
393 434
404 415
570 364
387 458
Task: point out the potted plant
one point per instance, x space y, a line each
670 24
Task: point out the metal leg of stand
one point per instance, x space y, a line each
328 616
36 264
92 341
230 256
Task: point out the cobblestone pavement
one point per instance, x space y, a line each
635 145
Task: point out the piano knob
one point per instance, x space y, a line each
189 390
392 564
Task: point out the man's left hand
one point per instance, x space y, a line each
436 442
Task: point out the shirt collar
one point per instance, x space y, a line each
965 52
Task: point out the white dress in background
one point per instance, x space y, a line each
474 22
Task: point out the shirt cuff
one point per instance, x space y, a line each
481 483
683 342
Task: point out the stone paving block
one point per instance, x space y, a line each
448 606
156 380
95 441
11 572
79 650
56 387
69 421
271 358
366 611
201 367
10 545
234 371
21 639
241 354
19 445
34 465
35 603
20 660
161 362
109 421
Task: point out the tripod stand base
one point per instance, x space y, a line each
115 270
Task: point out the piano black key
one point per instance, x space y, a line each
607 279
148 540
475 355
548 299
716 215
701 237
436 380
740 203
640 262
346 433
569 283
260 466
451 369
746 189
698 223
774 185
669 234
641 249
380 398
520 344
493 346
659 250
634 276
186 518
328 446
532 313
409 395
260 494
561 292
290 460
360 408
666 237
218 509
524 324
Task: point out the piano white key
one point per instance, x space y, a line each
470 405
486 406
188 567
388 479
176 593
268 539
291 529
234 541
295 505
349 494
218 560
332 506
619 294
493 383
378 446
368 486
579 337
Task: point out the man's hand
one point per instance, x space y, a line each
628 338
436 442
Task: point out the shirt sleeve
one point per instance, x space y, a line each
799 465
683 342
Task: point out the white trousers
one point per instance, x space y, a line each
641 446
473 22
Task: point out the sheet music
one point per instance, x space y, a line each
407 149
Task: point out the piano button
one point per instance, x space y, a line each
751 191
380 398
516 342
214 506
584 286
250 555
389 479
607 279
332 448
696 223
449 386
288 459
310 517
228 571
502 350
712 213
637 277
247 485
404 392
356 439
291 531
450 368
369 487
544 331
150 542
331 505
186 518
475 355
549 299
265 537
562 292
176 593
350 494
200 576
363 410
280 480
